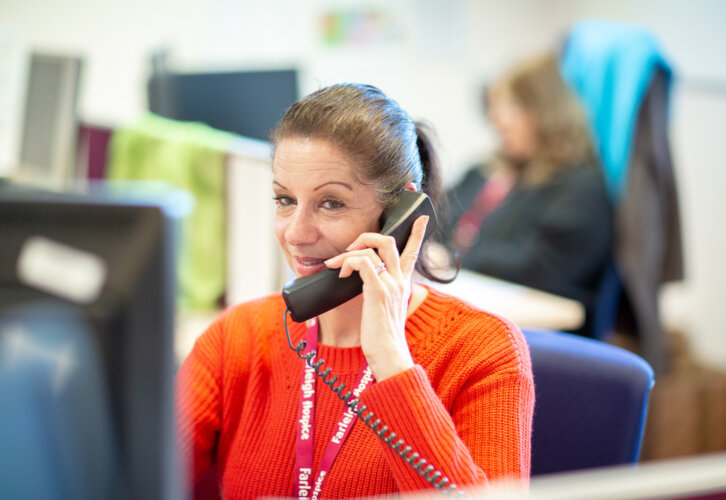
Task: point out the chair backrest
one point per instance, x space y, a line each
591 402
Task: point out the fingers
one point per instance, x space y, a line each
338 260
353 261
385 246
373 272
377 248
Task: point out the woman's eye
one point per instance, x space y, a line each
332 204
283 201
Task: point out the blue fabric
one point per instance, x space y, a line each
590 402
609 65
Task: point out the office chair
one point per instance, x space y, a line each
590 402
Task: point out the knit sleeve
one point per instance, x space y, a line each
199 403
485 436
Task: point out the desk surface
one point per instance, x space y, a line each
699 477
525 306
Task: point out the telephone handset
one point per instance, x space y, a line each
313 295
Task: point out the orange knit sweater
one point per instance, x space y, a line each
466 406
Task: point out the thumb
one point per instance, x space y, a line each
410 253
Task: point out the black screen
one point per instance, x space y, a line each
246 103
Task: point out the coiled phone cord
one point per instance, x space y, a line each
428 472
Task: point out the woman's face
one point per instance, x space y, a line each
321 206
514 124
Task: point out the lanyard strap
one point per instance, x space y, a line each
490 196
305 487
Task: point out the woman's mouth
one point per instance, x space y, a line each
307 266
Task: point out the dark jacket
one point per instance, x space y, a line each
556 236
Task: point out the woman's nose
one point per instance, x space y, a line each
301 229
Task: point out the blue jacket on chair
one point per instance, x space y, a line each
610 65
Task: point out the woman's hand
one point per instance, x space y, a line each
386 293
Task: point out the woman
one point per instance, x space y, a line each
454 383
538 213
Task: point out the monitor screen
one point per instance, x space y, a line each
86 324
248 103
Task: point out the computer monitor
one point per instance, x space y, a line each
71 264
50 122
248 103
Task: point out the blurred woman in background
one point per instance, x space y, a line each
537 213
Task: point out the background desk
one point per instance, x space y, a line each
525 306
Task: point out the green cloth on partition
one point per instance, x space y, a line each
190 156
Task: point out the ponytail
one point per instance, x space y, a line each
431 185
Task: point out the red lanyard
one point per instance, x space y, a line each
305 487
467 227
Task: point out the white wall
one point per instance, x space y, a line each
431 55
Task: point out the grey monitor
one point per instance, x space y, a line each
49 130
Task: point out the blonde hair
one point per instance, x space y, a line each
561 129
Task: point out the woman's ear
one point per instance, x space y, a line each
410 187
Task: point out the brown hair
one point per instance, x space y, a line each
389 147
561 128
